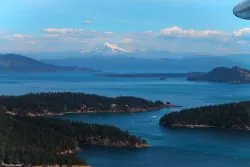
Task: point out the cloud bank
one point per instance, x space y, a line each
175 39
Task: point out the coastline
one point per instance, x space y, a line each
114 138
237 128
136 110
62 166
107 143
192 126
132 110
55 165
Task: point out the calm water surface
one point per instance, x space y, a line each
178 148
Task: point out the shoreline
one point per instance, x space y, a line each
131 111
246 129
64 103
55 165
191 126
134 111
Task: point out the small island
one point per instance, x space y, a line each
235 75
51 104
228 116
39 141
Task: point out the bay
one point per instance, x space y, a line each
179 148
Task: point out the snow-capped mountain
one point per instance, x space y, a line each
107 49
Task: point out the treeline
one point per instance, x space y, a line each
42 141
233 115
70 102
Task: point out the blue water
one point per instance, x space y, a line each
178 148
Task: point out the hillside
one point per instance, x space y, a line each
18 63
235 75
231 116
40 141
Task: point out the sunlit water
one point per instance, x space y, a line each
178 148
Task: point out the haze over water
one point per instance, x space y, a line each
178 148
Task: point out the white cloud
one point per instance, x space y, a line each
127 40
242 42
149 32
87 22
70 33
62 30
108 32
21 36
242 32
180 32
177 40
33 42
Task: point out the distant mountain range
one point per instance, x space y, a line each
14 62
235 75
112 58
123 63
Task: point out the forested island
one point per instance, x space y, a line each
235 75
39 141
50 104
230 116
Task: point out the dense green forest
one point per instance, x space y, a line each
71 102
233 115
43 141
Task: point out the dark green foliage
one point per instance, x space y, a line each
234 115
68 102
40 141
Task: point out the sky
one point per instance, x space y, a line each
193 26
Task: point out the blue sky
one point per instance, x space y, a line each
200 26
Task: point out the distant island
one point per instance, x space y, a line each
51 104
235 75
18 63
29 141
150 75
230 116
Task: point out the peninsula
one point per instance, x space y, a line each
51 104
29 141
